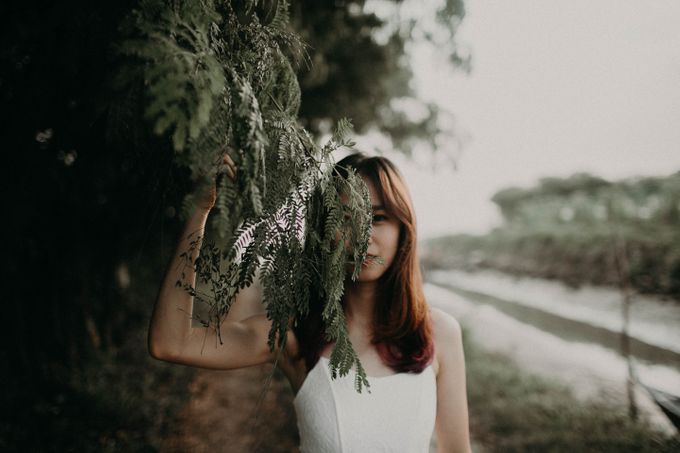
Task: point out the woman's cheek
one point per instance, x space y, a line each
337 236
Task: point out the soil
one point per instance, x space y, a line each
237 411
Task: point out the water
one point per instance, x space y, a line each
653 320
568 335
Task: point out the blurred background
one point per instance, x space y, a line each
541 148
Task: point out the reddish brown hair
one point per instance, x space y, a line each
402 332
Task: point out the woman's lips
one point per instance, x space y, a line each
369 259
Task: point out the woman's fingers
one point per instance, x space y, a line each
227 159
228 166
230 172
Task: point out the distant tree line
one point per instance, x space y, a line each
580 229
587 199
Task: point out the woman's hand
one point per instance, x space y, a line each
206 200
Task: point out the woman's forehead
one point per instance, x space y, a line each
376 196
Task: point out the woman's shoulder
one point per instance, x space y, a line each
447 334
444 324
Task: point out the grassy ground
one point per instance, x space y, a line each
513 411
116 401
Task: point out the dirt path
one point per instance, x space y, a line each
220 415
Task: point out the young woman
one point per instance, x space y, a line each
412 354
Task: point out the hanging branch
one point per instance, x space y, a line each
216 78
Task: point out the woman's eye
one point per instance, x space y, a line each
379 218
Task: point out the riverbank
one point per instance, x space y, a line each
512 410
652 320
645 259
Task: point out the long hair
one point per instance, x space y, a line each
402 330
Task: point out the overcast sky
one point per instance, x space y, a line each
557 87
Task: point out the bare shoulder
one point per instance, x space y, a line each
448 337
446 327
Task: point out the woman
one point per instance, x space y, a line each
412 354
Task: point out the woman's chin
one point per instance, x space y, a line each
370 271
369 274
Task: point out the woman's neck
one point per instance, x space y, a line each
360 300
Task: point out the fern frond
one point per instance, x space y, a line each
216 81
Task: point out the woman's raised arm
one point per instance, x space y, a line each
171 335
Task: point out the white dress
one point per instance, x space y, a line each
397 416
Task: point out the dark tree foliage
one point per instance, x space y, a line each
81 212
354 75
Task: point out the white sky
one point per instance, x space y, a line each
557 87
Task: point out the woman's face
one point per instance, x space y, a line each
384 239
